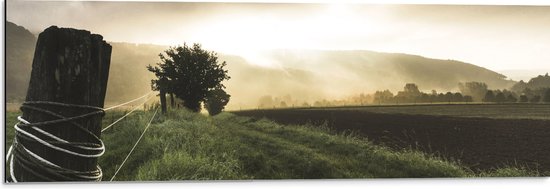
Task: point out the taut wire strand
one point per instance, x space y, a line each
137 142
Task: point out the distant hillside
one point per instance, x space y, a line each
536 83
128 77
20 44
523 74
309 75
304 75
391 70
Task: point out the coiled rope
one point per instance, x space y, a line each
36 133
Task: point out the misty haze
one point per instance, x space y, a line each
284 83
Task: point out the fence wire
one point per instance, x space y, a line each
137 142
45 169
119 119
116 106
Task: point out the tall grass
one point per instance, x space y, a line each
182 145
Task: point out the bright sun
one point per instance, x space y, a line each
247 36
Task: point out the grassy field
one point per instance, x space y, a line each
507 134
496 111
188 146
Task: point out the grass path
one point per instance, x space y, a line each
187 146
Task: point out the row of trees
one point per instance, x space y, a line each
286 101
470 92
411 94
537 89
508 96
474 89
269 101
534 84
193 75
500 96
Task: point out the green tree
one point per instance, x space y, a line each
216 101
474 89
546 98
489 96
499 97
457 97
283 104
411 90
523 98
535 99
192 73
409 94
441 98
382 96
448 97
511 98
468 98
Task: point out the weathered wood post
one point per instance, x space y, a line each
163 100
70 67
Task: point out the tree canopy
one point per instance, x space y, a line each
216 101
190 73
546 95
476 90
489 96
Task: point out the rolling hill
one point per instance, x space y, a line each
20 44
305 75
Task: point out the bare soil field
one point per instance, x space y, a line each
478 143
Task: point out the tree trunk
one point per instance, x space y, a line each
70 66
172 102
163 100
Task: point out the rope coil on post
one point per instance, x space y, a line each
37 133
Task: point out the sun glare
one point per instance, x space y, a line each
247 36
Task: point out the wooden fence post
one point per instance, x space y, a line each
72 67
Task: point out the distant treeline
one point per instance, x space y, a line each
537 90
411 94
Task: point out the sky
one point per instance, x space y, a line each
510 39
